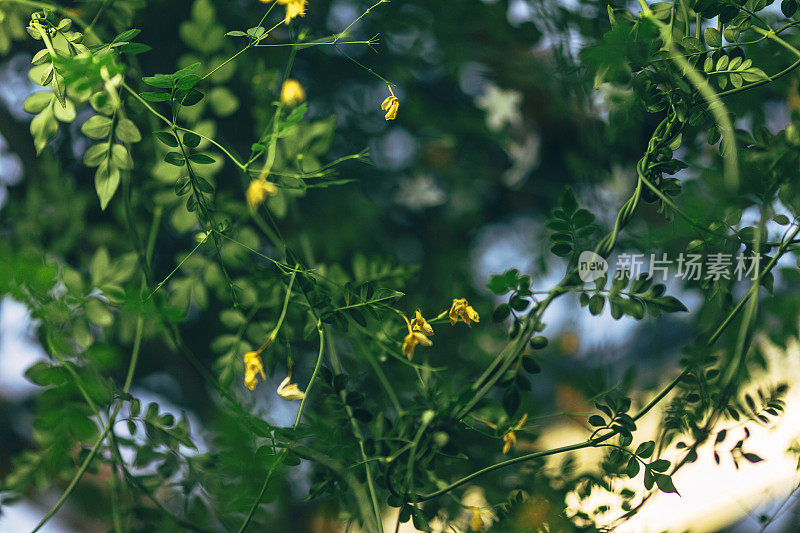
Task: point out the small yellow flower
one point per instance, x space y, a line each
412 339
258 191
461 309
253 367
292 93
510 438
420 324
479 514
290 391
294 8
391 105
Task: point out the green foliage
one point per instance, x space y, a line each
240 239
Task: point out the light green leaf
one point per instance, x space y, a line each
97 127
36 102
120 157
106 181
127 131
95 155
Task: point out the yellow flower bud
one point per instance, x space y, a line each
461 309
294 8
413 338
290 391
258 191
391 105
420 324
292 93
253 367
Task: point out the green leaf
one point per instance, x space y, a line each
539 342
44 374
43 128
256 32
596 304
754 74
713 37
659 465
175 158
501 312
201 159
126 36
191 69
36 102
41 57
127 131
59 88
664 483
106 181
646 449
191 98
98 313
97 127
120 157
160 81
95 155
597 421
561 249
497 284
633 468
65 113
167 138
155 97
190 139
669 304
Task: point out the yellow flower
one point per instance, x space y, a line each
479 513
258 190
294 8
292 93
510 438
461 309
290 391
253 367
412 339
476 522
420 324
391 105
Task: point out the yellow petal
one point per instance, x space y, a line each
510 440
290 391
422 339
521 421
292 93
391 113
294 8
258 190
476 522
420 324
409 343
253 367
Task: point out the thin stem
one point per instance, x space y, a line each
360 439
97 16
713 100
364 14
96 445
644 410
282 456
